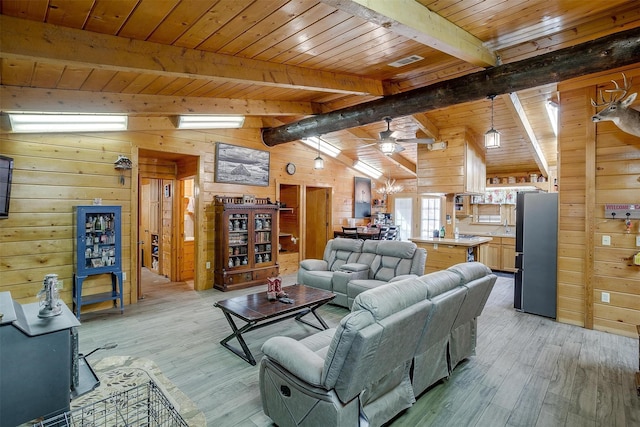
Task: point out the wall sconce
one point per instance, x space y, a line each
492 136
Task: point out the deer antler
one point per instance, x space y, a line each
614 93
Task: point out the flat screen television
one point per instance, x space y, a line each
6 169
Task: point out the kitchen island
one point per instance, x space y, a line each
444 252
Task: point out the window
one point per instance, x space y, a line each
489 213
430 216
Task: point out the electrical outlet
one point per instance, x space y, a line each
606 240
605 297
124 275
60 284
638 241
208 265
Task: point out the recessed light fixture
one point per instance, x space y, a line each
367 169
201 121
49 122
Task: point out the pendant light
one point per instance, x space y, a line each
492 136
318 162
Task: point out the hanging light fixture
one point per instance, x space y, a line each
318 162
492 136
389 187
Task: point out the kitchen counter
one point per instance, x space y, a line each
446 252
468 242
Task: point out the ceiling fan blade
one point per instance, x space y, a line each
418 140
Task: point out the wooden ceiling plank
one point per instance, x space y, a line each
414 21
14 98
35 9
108 17
70 14
32 40
179 20
251 16
17 72
146 17
426 125
520 117
210 23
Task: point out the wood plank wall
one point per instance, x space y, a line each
54 172
597 165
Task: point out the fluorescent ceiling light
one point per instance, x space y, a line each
322 145
210 122
366 169
66 122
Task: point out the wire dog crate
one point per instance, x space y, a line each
141 406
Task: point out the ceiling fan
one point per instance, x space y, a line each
389 145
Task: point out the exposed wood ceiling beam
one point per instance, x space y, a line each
423 122
606 53
412 20
25 99
36 41
520 118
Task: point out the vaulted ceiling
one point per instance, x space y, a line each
278 61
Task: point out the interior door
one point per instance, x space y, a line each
317 214
186 220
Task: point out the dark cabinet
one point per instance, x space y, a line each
246 242
98 250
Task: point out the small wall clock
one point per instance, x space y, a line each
291 168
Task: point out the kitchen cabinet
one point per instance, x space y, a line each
97 251
246 242
462 206
460 168
499 254
443 253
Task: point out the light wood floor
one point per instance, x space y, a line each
528 371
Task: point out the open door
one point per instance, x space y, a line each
186 218
318 219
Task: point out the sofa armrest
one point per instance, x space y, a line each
295 358
314 265
402 277
354 267
341 278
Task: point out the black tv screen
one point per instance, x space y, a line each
6 169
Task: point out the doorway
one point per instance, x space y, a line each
167 188
317 221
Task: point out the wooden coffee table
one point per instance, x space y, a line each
257 311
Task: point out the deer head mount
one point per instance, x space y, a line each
617 108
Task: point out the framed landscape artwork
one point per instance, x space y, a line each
241 165
362 198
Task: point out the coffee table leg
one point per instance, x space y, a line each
237 333
312 310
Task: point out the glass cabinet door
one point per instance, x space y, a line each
263 248
238 224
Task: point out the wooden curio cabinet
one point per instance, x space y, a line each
246 242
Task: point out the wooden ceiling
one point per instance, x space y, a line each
279 61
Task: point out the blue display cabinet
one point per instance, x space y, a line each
98 250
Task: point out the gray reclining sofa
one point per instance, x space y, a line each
351 266
399 339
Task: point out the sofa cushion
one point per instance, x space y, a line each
440 282
469 271
383 301
342 251
320 279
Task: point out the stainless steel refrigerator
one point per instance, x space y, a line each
536 253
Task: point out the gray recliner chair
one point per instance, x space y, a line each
359 370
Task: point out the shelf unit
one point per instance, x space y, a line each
98 251
155 251
246 250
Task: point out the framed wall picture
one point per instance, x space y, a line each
241 165
362 198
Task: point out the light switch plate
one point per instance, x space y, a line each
124 275
606 240
605 297
208 265
638 241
